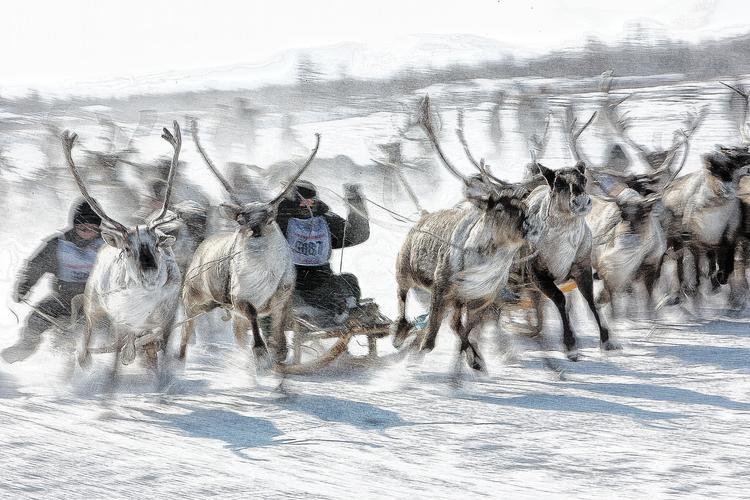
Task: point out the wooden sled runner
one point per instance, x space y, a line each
365 321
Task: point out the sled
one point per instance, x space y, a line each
365 321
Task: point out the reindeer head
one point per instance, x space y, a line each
727 164
504 202
568 188
512 213
145 251
255 218
500 199
636 210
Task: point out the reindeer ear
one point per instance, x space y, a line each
581 167
113 238
229 211
548 173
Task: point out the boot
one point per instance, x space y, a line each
21 350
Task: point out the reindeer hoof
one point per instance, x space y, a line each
611 345
475 363
428 344
474 359
262 358
572 354
689 291
669 300
399 332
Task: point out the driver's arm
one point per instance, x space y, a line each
355 229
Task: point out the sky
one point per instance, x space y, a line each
47 42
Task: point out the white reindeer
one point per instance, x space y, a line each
135 281
248 271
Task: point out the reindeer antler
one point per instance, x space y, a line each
744 125
538 144
484 169
296 176
68 141
572 134
175 139
425 121
692 121
210 164
621 123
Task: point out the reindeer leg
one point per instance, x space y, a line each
240 325
581 272
468 347
260 351
738 284
280 318
457 327
437 311
546 284
110 383
714 269
84 358
401 327
192 310
650 274
687 286
152 363
725 257
700 257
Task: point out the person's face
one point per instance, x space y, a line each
87 231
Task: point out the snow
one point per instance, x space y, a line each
668 416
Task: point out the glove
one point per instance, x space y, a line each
353 191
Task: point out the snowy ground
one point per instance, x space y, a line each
669 416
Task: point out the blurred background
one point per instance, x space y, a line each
261 79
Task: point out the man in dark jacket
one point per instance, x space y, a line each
313 231
69 257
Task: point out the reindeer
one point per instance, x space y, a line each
461 255
703 213
738 282
249 271
629 240
563 251
135 281
564 247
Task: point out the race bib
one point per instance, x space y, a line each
309 241
75 263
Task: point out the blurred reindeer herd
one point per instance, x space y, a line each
504 248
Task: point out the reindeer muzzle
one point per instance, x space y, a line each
581 204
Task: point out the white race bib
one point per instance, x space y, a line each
309 240
75 263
